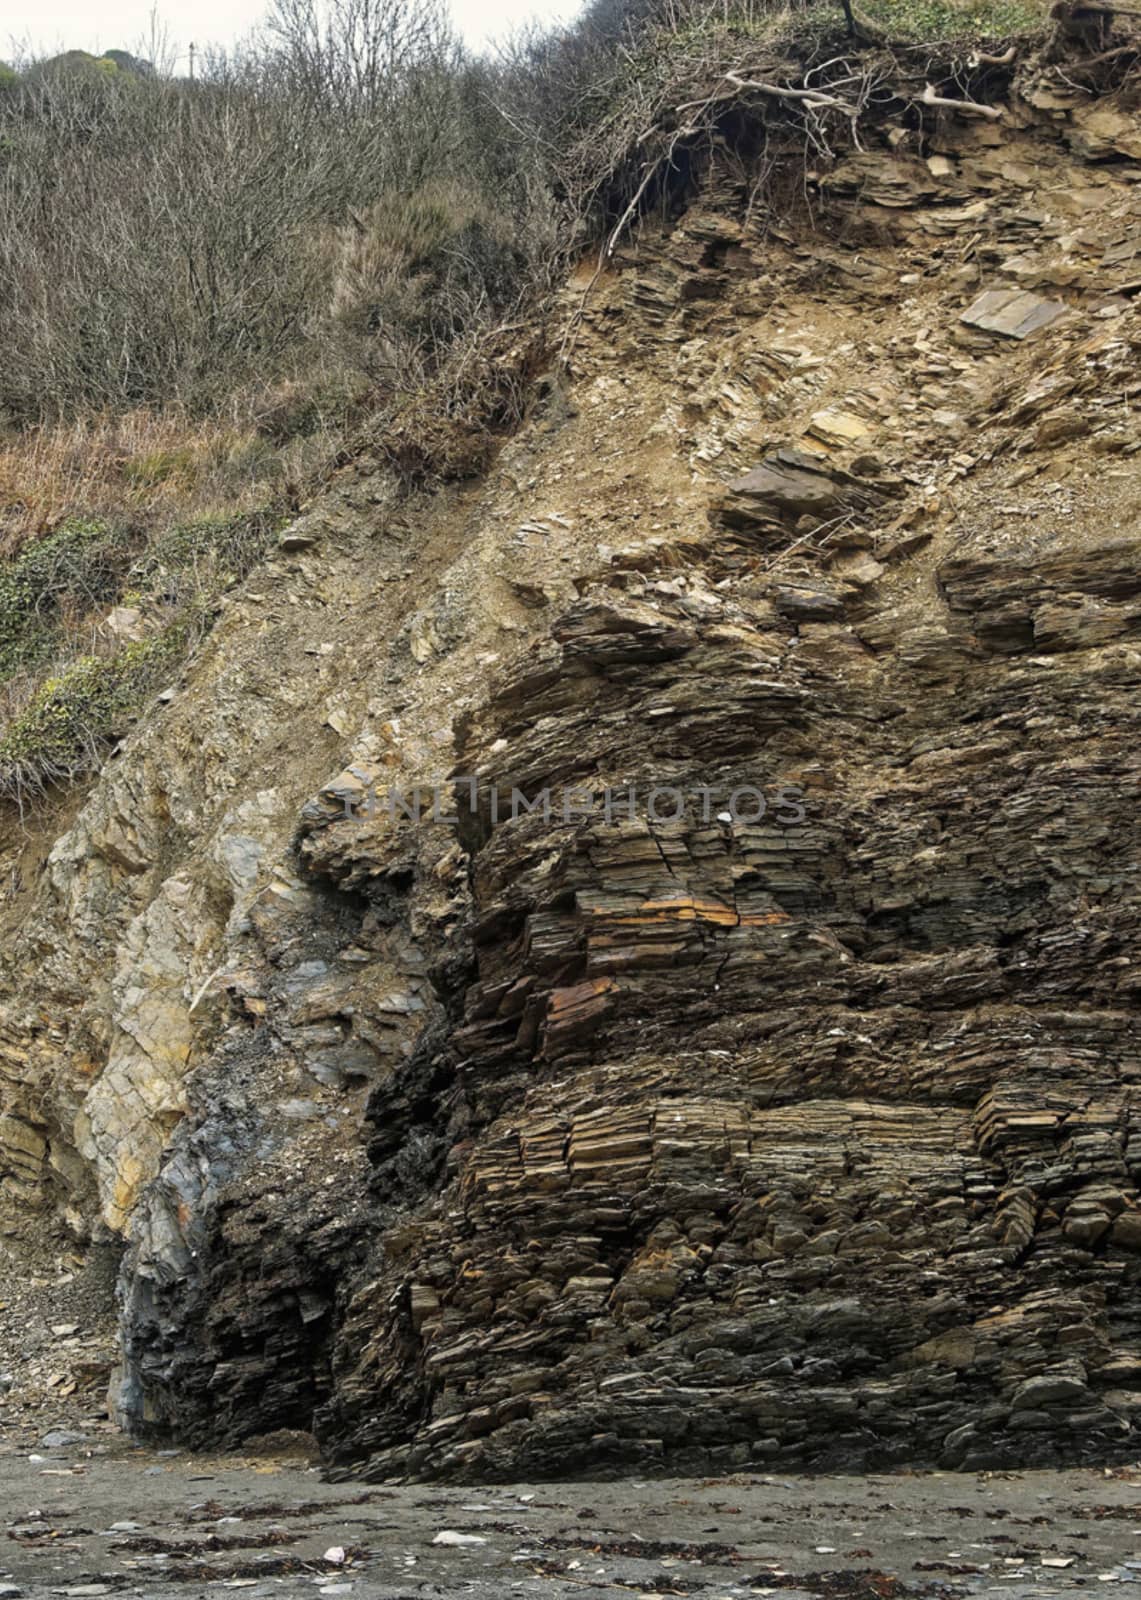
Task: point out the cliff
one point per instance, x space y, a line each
681 1135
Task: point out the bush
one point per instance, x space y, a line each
193 563
322 404
151 243
73 717
53 596
170 241
68 720
414 271
76 568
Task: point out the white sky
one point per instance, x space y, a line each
51 25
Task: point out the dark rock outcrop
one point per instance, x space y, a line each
813 1138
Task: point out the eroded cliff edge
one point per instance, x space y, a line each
535 1147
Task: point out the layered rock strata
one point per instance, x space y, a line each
680 1136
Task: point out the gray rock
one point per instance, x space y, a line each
1051 1389
1012 312
296 539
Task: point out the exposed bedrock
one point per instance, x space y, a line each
672 1137
812 1137
813 1140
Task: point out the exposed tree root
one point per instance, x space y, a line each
824 105
968 108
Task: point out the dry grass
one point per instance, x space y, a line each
138 467
157 511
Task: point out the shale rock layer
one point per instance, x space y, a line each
792 1116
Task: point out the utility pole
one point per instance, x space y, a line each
192 62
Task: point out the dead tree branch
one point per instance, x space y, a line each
815 99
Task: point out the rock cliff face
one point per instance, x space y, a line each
793 1115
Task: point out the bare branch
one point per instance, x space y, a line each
813 99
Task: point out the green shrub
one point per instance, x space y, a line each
74 716
81 564
193 562
85 703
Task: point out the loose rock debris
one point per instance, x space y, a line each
275 1528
